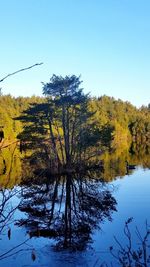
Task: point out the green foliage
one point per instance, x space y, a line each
66 124
120 122
10 108
140 129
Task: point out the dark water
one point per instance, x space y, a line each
71 221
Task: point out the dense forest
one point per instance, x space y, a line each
66 129
118 122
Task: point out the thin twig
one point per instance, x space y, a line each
13 73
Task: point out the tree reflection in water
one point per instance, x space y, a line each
66 209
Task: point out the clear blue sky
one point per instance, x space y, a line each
106 41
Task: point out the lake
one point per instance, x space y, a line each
71 220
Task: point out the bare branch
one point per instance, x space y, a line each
13 73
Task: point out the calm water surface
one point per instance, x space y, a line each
132 195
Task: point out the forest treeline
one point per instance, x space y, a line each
119 122
66 128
